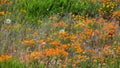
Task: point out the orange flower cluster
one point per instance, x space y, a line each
35 55
79 49
116 14
61 23
55 43
28 42
55 52
104 1
3 1
2 13
5 57
111 30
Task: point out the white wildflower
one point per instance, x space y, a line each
62 30
7 21
43 43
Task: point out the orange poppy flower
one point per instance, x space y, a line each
2 13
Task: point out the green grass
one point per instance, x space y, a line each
41 8
14 63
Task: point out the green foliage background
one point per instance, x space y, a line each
49 7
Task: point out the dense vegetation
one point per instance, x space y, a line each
59 33
82 7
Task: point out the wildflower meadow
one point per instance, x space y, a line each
59 33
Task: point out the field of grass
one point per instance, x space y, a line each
59 33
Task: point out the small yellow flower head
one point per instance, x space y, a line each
28 42
24 11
